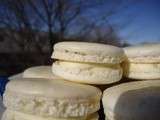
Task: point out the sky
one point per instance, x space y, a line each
145 24
141 20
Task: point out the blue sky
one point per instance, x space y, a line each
145 24
143 17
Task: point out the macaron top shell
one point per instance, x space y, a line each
52 88
16 76
146 53
39 72
88 52
133 101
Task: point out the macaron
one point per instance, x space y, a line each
88 52
14 115
133 101
143 62
51 98
87 73
88 63
39 72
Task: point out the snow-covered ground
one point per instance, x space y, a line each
1 107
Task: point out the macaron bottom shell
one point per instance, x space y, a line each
87 73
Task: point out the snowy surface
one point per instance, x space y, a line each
1 107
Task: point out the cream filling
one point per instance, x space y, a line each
83 57
14 115
144 59
50 107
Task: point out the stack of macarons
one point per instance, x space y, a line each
50 99
143 62
88 63
55 93
138 100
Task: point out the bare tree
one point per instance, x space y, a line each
59 15
39 24
58 18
